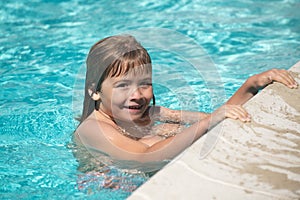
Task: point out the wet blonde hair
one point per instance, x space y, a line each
111 57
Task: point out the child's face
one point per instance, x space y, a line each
127 97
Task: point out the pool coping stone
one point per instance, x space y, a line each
235 160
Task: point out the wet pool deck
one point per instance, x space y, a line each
256 160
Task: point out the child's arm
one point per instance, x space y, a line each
180 116
258 81
102 137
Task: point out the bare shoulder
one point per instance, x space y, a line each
90 133
103 136
160 110
94 125
167 114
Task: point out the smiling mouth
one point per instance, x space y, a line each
138 107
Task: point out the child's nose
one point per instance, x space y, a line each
136 93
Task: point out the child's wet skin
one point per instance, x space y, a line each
119 115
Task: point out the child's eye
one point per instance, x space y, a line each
146 84
122 85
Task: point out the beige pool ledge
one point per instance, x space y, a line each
257 160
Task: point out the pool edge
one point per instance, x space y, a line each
257 160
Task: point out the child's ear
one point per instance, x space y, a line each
94 95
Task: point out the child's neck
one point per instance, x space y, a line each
145 121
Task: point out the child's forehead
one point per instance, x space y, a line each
143 73
137 71
132 75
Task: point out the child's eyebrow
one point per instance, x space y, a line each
122 81
146 79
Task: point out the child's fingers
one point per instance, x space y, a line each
238 112
290 79
284 77
242 114
231 115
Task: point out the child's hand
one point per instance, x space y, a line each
279 75
237 112
233 112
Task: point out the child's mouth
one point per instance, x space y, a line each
135 108
138 107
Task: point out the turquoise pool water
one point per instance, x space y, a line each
43 49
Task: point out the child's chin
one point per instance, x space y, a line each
128 118
129 115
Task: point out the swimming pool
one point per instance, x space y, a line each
43 48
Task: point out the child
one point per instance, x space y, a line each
119 120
